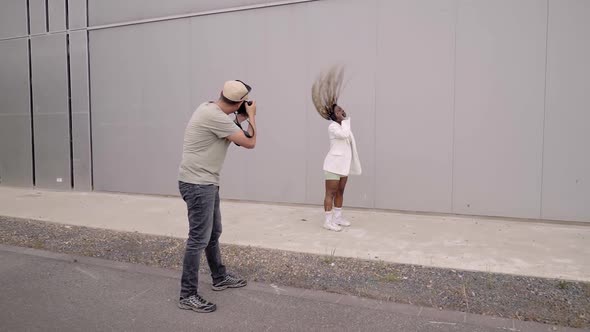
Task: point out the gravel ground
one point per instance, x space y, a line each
547 301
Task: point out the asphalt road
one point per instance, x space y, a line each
43 291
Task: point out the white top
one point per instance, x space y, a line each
342 159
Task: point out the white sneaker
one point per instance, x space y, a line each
342 222
332 226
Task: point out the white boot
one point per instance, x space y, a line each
338 219
329 224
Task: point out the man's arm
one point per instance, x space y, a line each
240 139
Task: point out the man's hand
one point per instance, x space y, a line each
251 109
239 137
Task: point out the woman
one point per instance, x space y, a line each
342 159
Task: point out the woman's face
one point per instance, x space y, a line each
339 113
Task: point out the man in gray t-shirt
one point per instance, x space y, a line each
206 139
205 145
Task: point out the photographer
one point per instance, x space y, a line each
206 139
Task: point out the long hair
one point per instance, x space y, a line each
326 90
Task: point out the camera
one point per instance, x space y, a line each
242 109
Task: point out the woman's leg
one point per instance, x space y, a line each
331 192
338 201
339 197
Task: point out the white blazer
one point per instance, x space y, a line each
343 158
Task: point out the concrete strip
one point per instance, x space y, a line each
537 249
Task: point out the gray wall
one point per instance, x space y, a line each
469 107
44 95
566 152
15 115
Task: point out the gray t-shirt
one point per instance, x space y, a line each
205 145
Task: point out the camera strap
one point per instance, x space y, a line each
240 126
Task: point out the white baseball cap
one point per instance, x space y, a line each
236 90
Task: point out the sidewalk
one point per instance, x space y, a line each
550 250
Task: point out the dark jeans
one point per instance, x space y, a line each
204 219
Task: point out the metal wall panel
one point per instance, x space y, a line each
82 162
13 18
415 105
140 105
50 111
57 15
500 59
80 111
275 67
15 116
77 14
566 162
52 151
38 16
15 150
